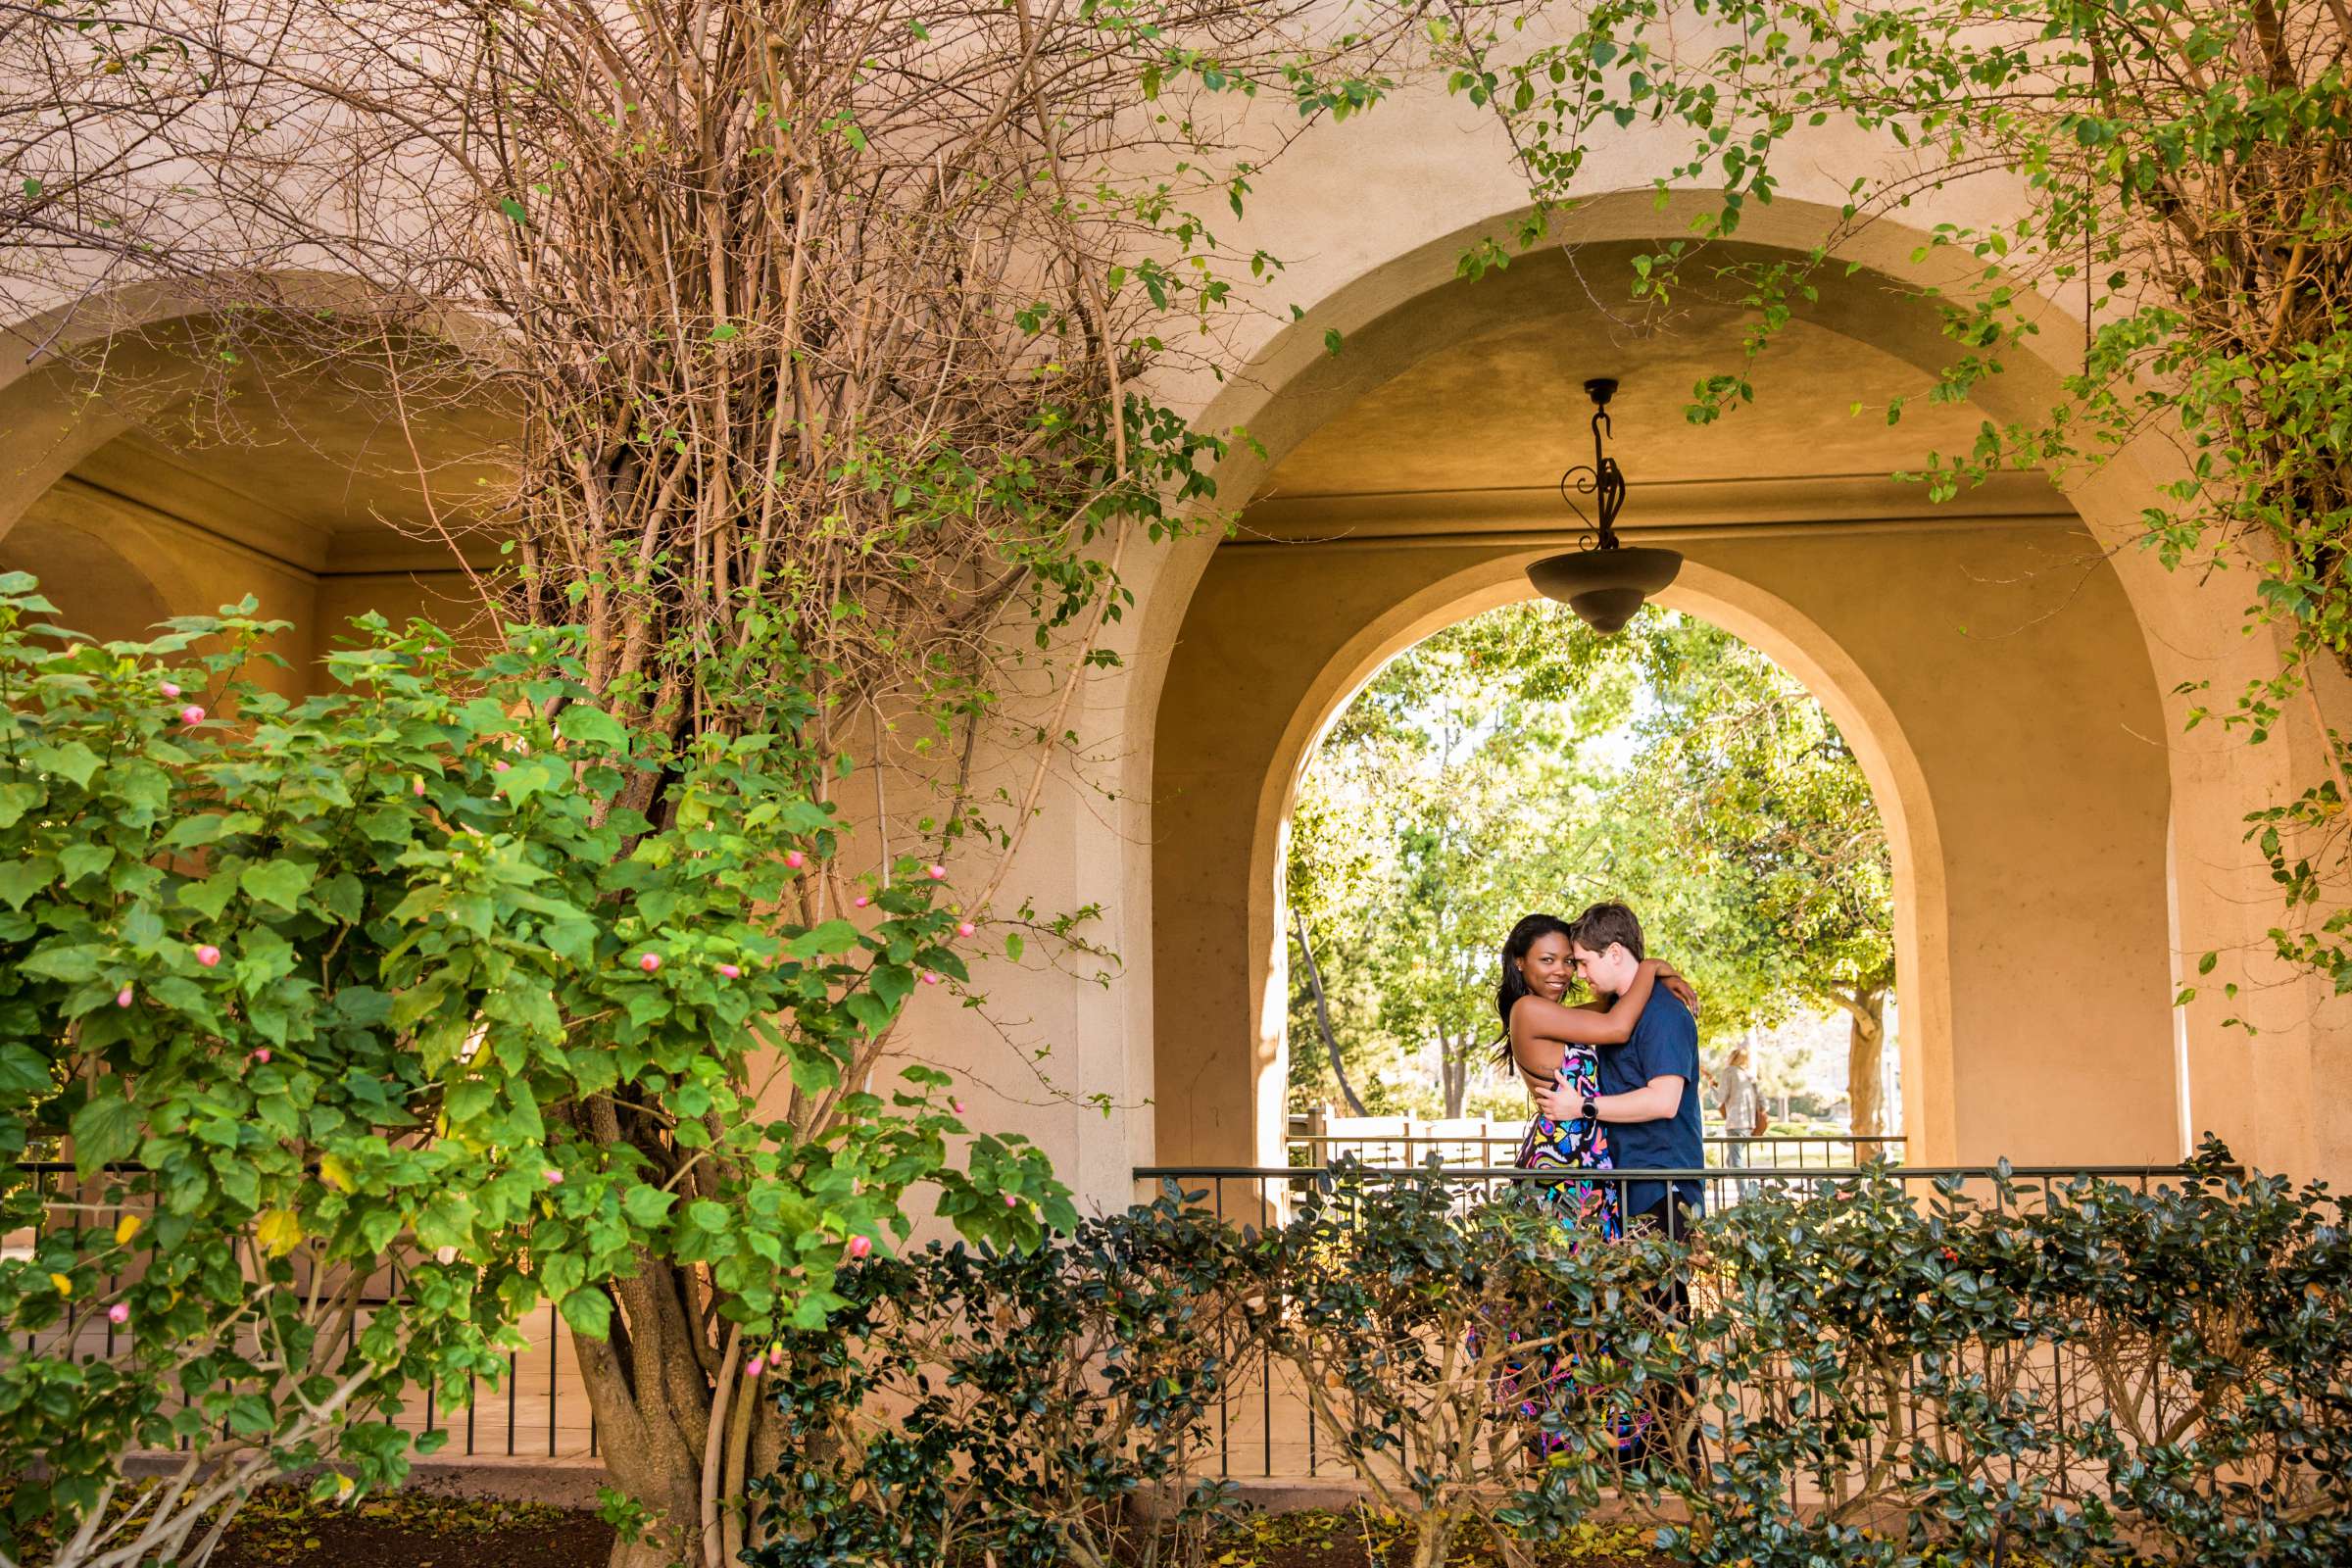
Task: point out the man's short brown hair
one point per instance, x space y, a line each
1605 924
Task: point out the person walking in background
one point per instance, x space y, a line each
1742 1106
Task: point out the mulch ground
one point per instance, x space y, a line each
1314 1539
411 1529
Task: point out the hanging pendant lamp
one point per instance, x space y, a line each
1603 581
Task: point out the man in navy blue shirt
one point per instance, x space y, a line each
1648 1098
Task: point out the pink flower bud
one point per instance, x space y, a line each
500 765
553 1177
122 997
795 859
191 714
930 977
729 970
964 928
1012 1201
754 1366
208 956
415 786
859 1245
260 1054
168 690
119 1313
937 873
955 1105
650 962
863 900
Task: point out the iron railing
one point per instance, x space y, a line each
1258 1417
1496 1144
502 1421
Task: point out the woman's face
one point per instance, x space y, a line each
1546 968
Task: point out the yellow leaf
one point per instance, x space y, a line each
130 1227
334 1172
65 1286
280 1231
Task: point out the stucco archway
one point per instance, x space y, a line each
2036 731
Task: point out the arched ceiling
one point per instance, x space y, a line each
1474 431
316 473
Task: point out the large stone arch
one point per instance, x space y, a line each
1408 307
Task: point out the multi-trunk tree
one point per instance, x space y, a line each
819 340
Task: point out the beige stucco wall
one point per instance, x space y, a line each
2043 772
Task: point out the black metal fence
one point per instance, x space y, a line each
1497 1144
537 1410
1266 1428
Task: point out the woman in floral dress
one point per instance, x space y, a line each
1546 1041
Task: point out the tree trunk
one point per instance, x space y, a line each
1865 1074
1454 1068
1331 1043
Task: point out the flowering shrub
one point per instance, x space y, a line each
354 1010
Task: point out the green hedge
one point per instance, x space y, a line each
1878 1376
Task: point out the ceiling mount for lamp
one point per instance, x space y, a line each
1603 581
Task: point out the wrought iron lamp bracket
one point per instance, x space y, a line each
1600 478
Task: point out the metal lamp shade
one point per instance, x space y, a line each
1604 587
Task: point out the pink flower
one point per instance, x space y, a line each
754 1366
168 690
429 649
729 970
119 1313
955 1105
937 873
191 714
260 1054
964 928
795 859
1012 1201
208 956
863 900
122 997
650 962
930 977
859 1245
500 765
415 786
555 1178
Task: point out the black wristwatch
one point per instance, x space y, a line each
1591 1109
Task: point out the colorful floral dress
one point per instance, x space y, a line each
1573 1145
1586 1208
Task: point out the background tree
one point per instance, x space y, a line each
1761 798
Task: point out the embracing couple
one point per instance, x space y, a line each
1615 1079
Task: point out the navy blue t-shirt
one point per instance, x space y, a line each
1665 1043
